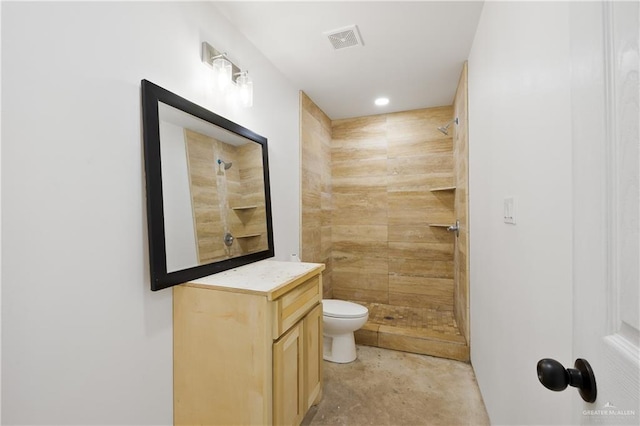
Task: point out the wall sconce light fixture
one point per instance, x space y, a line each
246 89
222 69
227 74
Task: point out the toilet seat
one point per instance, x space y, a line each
342 309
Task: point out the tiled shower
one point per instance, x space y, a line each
378 194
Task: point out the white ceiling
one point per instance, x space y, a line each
413 51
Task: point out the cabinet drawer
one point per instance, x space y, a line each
293 305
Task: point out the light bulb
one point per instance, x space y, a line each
222 69
382 101
245 85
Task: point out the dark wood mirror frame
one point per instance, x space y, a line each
160 277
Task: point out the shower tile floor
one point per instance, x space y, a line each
418 330
415 318
386 387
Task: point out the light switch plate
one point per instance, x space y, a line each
509 211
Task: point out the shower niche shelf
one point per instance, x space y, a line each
248 236
240 208
444 188
447 193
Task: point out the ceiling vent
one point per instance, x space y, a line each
345 37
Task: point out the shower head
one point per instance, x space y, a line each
445 129
227 166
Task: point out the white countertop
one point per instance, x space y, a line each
261 277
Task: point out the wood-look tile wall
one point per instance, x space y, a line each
202 151
315 136
461 155
382 171
247 210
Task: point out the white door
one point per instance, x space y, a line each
606 202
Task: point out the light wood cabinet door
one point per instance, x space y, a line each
288 377
312 327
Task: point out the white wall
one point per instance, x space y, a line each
520 146
84 339
179 227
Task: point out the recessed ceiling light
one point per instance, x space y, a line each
381 101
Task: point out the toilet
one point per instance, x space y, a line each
340 320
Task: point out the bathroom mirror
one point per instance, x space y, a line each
208 198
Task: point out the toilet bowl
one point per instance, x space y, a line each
340 319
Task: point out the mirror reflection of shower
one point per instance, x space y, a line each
224 165
444 129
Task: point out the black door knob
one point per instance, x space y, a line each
555 377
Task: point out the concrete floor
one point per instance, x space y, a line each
385 387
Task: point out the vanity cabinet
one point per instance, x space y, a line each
248 345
